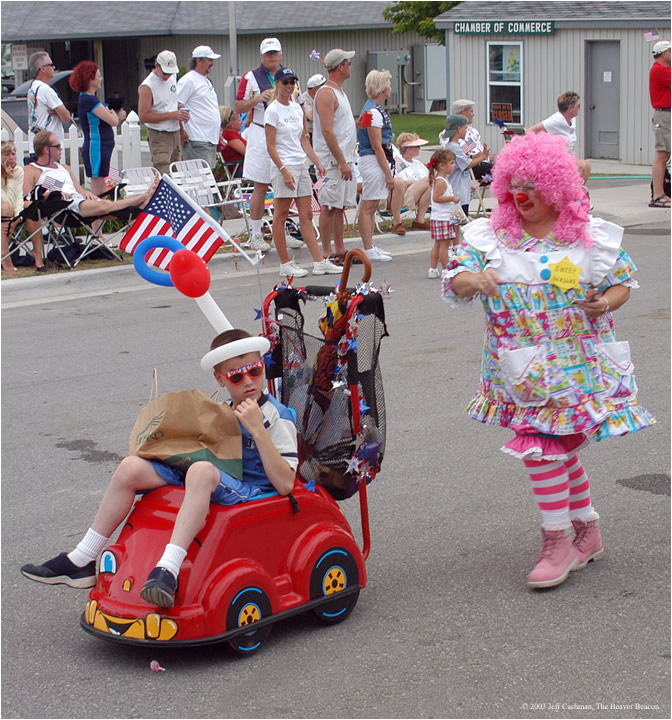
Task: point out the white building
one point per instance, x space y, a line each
514 59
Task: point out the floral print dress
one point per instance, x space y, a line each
550 373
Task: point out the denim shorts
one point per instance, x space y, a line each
221 496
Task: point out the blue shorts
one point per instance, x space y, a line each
230 490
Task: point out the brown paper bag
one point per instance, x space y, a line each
181 428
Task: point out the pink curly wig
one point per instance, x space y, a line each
544 160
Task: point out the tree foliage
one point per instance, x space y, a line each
418 17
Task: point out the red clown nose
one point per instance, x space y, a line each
521 198
189 273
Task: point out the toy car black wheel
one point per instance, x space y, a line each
335 571
248 607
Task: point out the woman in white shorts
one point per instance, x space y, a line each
288 146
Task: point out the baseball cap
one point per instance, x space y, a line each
205 51
453 122
335 57
270 45
414 143
285 74
167 61
660 47
315 81
459 105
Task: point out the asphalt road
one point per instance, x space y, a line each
446 626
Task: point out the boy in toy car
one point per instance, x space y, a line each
270 458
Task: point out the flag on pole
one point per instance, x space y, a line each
173 213
115 176
651 36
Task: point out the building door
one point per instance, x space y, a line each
602 104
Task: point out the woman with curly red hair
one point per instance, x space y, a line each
550 277
97 123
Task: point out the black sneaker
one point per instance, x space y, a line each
62 571
160 588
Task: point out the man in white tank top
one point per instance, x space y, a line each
335 143
159 112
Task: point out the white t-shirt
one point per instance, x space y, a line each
197 94
416 170
288 122
41 99
557 125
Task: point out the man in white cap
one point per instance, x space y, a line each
314 83
197 95
335 144
659 91
472 143
253 96
159 113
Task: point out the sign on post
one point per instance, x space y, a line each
19 57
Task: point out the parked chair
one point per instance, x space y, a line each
478 191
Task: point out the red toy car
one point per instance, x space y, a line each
272 557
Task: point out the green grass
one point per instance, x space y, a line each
427 126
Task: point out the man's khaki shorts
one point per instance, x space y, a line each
661 130
165 148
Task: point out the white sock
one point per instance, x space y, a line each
90 546
256 226
172 558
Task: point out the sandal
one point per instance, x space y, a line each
662 201
337 259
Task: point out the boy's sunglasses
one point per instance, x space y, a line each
235 377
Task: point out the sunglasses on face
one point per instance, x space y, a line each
49 65
289 82
235 377
55 146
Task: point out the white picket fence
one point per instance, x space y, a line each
126 153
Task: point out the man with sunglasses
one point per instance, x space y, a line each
270 459
46 110
159 112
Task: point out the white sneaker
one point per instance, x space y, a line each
326 267
257 242
290 269
376 253
293 242
433 273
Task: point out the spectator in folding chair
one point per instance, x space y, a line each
12 198
415 175
232 145
288 147
49 173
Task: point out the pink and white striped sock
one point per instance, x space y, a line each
580 505
550 485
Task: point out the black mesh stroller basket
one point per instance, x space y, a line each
330 380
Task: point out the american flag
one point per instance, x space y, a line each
51 183
651 35
320 183
468 147
173 213
115 176
399 164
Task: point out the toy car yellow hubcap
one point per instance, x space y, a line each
334 581
248 615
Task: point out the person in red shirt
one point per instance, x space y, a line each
659 90
232 145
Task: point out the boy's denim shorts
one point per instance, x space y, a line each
229 491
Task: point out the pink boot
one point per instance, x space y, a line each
587 542
556 559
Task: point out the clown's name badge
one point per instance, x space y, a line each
564 274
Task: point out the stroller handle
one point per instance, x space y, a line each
352 254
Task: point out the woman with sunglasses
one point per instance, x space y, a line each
270 459
550 278
289 147
97 123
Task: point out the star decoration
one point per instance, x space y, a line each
353 464
363 407
257 314
335 384
564 274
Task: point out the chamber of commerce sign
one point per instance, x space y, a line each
504 27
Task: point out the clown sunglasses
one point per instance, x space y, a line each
235 377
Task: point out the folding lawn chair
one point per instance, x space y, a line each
478 191
195 178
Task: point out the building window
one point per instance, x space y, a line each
505 82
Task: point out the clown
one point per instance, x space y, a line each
549 277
